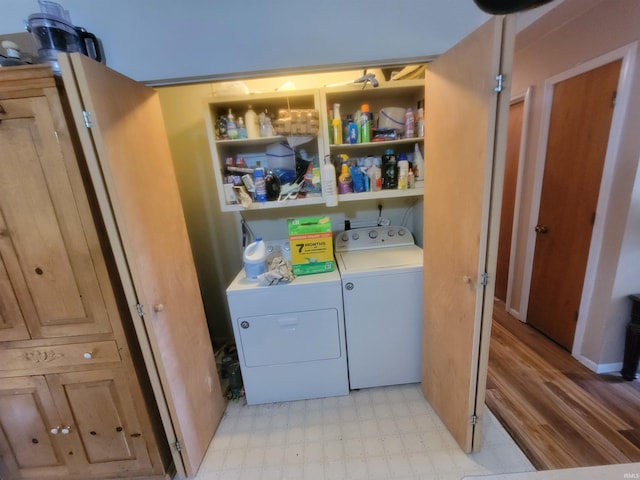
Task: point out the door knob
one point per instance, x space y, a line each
55 430
541 229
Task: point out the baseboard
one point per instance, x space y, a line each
600 367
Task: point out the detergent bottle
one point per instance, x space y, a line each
255 259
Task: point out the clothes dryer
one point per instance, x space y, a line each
290 337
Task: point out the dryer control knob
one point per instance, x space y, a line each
401 232
244 324
373 234
345 237
349 286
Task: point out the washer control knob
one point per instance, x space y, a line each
355 236
373 234
244 324
349 286
345 237
391 232
401 232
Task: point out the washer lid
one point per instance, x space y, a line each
379 259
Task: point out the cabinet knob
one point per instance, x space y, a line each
467 279
55 430
65 430
158 307
88 355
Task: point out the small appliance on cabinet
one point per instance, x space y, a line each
290 337
381 271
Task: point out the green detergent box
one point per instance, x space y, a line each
311 243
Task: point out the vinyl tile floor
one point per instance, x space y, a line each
376 433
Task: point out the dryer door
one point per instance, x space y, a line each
290 337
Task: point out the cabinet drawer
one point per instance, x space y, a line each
48 357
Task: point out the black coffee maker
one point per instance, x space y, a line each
54 32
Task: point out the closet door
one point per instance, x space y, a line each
465 130
132 172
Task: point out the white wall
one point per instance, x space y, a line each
151 40
572 35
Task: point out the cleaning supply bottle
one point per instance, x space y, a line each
352 130
242 130
365 124
403 172
232 127
389 170
408 123
254 258
345 183
418 163
260 184
375 176
411 181
337 124
328 181
251 123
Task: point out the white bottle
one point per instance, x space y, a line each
251 123
329 185
418 163
375 177
255 259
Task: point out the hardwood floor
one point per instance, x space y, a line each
559 413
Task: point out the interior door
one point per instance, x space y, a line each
514 135
132 172
465 130
581 114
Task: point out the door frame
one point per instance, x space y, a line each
627 54
524 97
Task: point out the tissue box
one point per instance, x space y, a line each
311 244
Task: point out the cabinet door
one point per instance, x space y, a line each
132 172
43 243
99 410
28 447
12 321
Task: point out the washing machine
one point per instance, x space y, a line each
290 337
381 273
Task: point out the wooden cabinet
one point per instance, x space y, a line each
84 388
403 94
71 425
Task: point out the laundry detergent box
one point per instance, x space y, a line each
311 244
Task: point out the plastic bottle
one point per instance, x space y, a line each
352 130
254 258
389 172
328 179
375 177
420 121
408 123
242 131
232 127
337 124
345 183
418 163
260 184
251 123
411 180
365 124
403 173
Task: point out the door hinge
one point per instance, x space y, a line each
87 119
178 445
139 310
474 419
498 87
484 279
